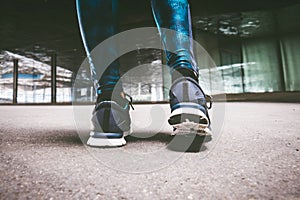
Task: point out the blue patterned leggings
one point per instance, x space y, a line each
99 21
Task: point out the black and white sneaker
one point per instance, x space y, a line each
111 121
189 107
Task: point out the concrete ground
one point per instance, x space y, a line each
254 156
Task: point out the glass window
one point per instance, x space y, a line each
262 65
6 78
290 50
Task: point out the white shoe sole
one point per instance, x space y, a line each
186 126
106 142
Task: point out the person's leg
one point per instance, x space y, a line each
175 15
98 21
187 99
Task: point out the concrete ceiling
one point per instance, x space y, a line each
39 27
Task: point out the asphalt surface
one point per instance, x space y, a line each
255 156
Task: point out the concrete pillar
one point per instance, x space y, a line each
15 81
53 78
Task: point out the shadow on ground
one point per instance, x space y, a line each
190 143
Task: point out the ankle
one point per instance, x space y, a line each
104 96
184 72
120 98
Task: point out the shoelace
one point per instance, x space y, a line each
129 100
208 99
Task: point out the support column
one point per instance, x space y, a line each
53 78
15 81
242 64
166 77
